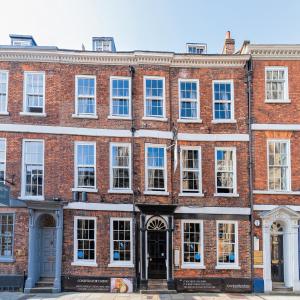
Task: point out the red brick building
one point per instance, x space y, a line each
124 168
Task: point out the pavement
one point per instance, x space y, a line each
136 296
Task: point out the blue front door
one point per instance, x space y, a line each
47 253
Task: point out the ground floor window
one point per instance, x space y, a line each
6 235
121 241
85 239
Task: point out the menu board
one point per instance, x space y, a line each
84 283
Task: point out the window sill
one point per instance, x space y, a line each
189 121
284 101
121 265
88 190
38 198
29 114
270 192
226 195
162 119
7 260
120 191
128 118
228 267
156 193
191 195
223 121
4 113
76 116
84 264
193 266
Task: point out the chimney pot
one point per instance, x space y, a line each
229 44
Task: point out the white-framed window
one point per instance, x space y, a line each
85 93
154 95
121 242
33 169
85 165
156 163
225 168
189 108
120 166
34 92
120 97
102 45
223 100
191 170
2 160
279 172
3 91
227 244
192 244
6 236
85 229
276 84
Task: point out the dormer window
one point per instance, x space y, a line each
104 44
18 40
194 48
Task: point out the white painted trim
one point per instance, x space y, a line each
191 195
234 166
31 114
85 115
82 188
5 111
266 192
234 265
276 127
111 116
25 112
286 84
127 263
267 207
23 180
180 118
199 170
225 121
213 137
5 153
231 120
156 192
289 184
154 133
100 206
145 78
118 190
194 265
155 119
214 210
84 262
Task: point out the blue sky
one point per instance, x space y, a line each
164 25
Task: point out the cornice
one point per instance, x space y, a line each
123 58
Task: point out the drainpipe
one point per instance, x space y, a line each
133 129
249 95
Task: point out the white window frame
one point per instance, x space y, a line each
25 112
11 257
118 190
155 118
5 153
232 119
5 111
129 98
85 115
117 263
234 194
289 184
23 180
197 101
192 265
84 262
234 265
147 191
190 194
286 84
76 187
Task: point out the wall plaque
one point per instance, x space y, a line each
86 283
237 285
199 284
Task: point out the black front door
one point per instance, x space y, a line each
277 258
157 254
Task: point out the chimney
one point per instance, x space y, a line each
228 44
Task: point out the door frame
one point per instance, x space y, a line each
282 239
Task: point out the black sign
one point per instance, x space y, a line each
4 194
86 283
233 285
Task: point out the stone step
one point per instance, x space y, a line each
44 284
158 291
48 279
47 290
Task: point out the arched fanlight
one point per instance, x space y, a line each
276 228
156 223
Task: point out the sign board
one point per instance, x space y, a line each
121 285
258 257
4 194
237 285
86 283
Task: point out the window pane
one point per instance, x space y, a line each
192 243
225 173
34 92
226 243
154 97
121 240
85 239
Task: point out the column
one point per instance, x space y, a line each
171 285
143 281
295 265
267 256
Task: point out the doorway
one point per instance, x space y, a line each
277 258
